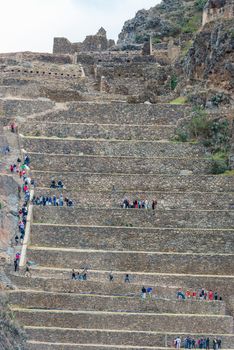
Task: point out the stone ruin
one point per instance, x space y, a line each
217 9
98 42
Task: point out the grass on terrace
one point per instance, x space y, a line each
179 101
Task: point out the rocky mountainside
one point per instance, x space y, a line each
211 56
170 18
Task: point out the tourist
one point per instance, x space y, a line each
111 277
52 185
27 270
216 296
210 295
60 184
73 275
178 343
143 292
215 344
207 343
149 291
126 279
219 342
180 294
16 264
154 204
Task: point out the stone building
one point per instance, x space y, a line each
216 9
97 42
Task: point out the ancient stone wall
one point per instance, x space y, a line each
113 303
137 322
128 238
120 165
136 218
98 42
20 107
119 113
218 9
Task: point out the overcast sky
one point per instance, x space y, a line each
30 25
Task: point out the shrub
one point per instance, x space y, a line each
173 82
192 25
200 4
219 166
181 136
199 125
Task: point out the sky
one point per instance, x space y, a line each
31 25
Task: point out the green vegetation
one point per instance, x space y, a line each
214 134
219 166
181 136
200 4
156 40
186 48
173 82
229 173
192 24
179 100
37 133
199 124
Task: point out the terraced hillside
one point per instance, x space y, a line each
105 152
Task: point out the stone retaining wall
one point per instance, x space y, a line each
189 200
13 108
162 323
113 238
119 113
134 261
114 148
164 286
136 182
148 133
121 338
124 165
135 218
78 302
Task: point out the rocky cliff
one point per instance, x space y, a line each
211 56
170 18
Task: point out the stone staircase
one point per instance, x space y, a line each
104 152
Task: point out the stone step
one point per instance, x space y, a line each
122 338
125 321
168 200
32 299
42 345
122 165
121 113
204 219
127 238
137 182
99 131
133 261
113 148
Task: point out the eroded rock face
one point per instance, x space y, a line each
212 55
162 21
212 4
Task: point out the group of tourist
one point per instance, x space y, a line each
79 276
23 212
201 294
139 204
58 185
52 200
201 343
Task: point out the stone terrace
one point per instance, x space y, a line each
104 152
